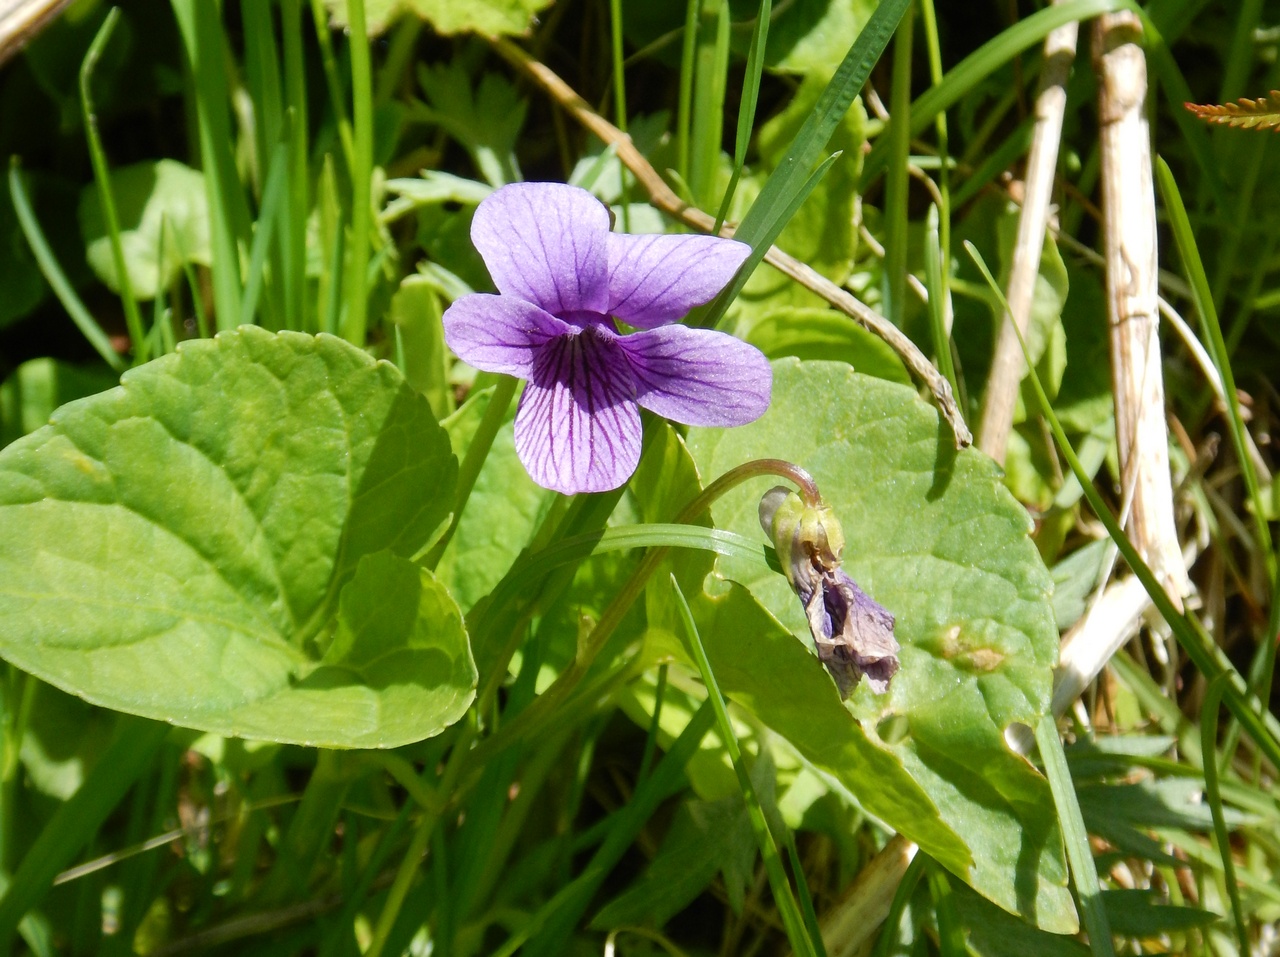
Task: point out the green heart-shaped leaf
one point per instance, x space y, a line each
934 537
185 547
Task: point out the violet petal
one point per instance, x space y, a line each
698 376
578 426
655 279
499 333
546 243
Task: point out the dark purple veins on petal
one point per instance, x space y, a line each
578 427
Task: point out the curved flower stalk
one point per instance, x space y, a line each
563 278
852 632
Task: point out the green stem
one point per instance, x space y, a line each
355 323
420 841
53 273
792 920
477 452
547 703
1083 872
132 316
1213 794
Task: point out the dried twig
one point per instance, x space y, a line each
1130 229
22 20
663 198
1007 367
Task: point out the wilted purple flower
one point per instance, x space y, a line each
853 634
562 279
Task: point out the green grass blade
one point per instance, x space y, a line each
620 96
1213 795
356 320
712 72
564 909
897 181
273 196
684 102
76 821
811 141
293 237
792 920
888 939
794 174
1084 875
203 41
712 313
747 108
54 275
938 295
1202 296
979 65
98 157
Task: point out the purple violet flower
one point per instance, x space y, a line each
563 278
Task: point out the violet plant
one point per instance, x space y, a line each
394 622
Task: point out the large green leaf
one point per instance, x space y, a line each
223 542
933 536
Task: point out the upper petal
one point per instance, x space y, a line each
499 333
547 244
654 280
698 376
578 427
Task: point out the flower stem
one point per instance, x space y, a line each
474 460
547 704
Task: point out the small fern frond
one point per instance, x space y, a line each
1260 114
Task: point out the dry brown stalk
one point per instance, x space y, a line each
1130 237
22 20
665 199
1008 366
848 924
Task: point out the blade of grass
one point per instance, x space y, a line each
939 293
293 237
567 906
54 275
792 920
747 107
273 197
802 893
1202 296
76 821
620 96
356 320
894 277
777 200
888 939
684 102
712 72
951 937
1207 657
1213 795
978 66
711 314
333 80
203 41
1084 875
101 176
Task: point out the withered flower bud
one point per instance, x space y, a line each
853 634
